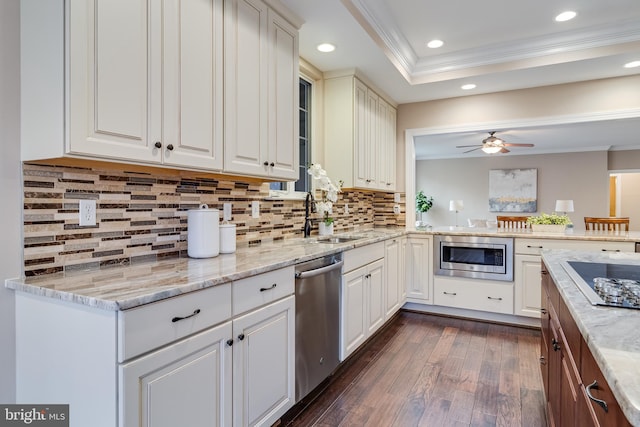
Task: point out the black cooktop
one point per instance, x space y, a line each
616 285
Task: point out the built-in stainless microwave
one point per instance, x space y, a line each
477 257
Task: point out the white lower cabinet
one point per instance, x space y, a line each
419 269
473 294
395 294
187 383
362 306
263 364
528 265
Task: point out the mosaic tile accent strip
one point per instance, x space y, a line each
142 216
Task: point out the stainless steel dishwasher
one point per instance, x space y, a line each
317 321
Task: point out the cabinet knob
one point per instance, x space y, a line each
555 344
170 147
543 310
368 180
272 164
229 343
600 402
265 163
158 144
543 361
241 337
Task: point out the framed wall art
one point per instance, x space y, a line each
513 190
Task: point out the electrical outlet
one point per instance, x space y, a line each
255 209
87 212
396 209
346 208
226 211
396 197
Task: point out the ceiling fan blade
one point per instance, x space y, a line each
473 149
504 150
518 145
468 146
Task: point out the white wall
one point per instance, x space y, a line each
582 177
630 198
10 187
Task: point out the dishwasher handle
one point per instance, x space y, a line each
317 271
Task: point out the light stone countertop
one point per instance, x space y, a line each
125 287
612 334
569 234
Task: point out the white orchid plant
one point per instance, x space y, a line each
329 191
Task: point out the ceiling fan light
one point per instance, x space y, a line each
491 149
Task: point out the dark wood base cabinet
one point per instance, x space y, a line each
576 391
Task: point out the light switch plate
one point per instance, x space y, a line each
226 211
255 209
346 208
396 197
87 213
396 209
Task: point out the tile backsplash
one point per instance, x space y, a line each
142 215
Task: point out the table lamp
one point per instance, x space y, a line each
456 205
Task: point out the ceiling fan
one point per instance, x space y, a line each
492 144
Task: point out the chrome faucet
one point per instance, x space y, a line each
309 207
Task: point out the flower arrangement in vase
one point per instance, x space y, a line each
423 204
329 192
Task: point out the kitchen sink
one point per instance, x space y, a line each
336 239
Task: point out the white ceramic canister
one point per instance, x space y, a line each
203 232
227 238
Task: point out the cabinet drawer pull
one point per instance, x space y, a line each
602 403
449 293
610 250
534 247
268 289
495 299
177 318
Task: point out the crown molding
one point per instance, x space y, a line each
375 19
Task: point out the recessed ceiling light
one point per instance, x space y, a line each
326 47
632 64
434 44
566 16
468 86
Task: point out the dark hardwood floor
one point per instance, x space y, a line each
425 370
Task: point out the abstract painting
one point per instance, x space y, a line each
513 190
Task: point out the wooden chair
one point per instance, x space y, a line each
512 221
606 224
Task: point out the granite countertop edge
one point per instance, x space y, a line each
612 334
126 287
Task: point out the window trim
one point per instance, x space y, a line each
290 193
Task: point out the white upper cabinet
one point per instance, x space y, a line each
146 81
143 81
261 83
360 135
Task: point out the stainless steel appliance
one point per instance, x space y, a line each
477 257
317 321
616 285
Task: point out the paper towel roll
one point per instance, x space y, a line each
203 233
227 238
